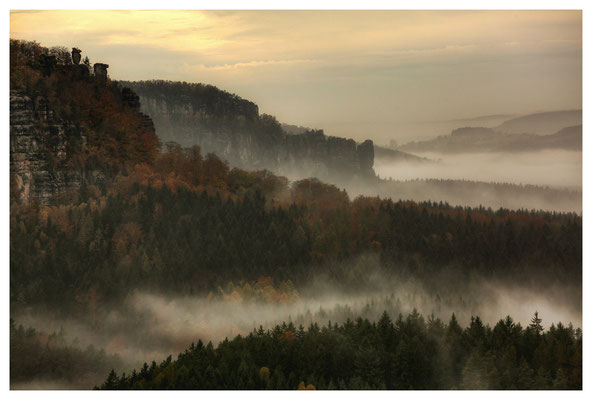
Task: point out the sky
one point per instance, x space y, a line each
402 75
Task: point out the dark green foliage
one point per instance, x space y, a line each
189 241
407 354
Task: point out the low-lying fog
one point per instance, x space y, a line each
554 168
150 326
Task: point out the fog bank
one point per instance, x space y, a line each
150 326
554 168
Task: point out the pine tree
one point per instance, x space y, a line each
111 382
535 323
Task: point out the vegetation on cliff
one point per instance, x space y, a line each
117 136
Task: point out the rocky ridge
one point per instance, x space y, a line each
232 128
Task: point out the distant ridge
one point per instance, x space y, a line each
479 139
392 155
544 123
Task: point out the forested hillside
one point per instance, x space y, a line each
493 195
187 223
408 353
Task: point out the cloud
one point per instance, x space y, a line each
251 64
276 35
363 65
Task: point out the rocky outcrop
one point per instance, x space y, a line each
48 154
76 55
231 127
38 145
366 156
45 150
100 70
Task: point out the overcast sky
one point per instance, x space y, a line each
360 74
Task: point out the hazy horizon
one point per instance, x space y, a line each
403 75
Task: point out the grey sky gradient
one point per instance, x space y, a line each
361 74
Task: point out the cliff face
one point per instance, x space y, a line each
48 154
69 127
232 128
39 142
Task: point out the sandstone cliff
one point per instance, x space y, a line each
231 127
50 157
39 143
69 127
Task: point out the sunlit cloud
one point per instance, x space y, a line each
251 64
366 65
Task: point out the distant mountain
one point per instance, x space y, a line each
483 118
569 138
461 140
541 123
473 140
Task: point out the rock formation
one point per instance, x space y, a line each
132 100
366 156
231 127
76 55
101 70
38 142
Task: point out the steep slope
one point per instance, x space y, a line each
231 127
38 144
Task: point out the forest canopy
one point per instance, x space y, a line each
408 353
188 224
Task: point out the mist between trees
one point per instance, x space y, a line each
549 180
147 326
